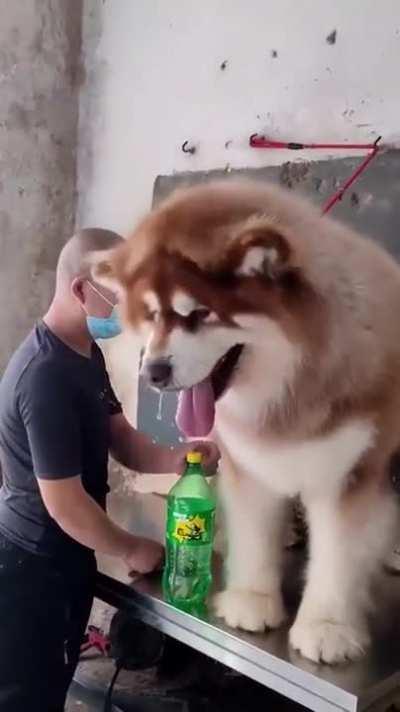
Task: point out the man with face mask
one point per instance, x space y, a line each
59 419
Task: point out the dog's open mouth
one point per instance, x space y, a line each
196 406
223 370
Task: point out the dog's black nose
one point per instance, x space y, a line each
158 373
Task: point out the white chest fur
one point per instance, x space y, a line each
307 467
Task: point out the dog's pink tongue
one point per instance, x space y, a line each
196 410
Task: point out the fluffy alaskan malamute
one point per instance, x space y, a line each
281 330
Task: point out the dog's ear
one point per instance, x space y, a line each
260 250
104 268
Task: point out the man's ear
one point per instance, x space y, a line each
104 269
77 289
260 250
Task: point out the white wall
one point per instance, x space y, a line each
154 80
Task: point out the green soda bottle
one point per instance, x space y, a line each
189 539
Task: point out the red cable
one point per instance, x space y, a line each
257 141
339 194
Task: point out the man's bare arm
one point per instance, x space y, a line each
81 518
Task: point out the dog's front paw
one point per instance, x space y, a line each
250 611
328 641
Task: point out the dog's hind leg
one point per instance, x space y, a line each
348 542
255 520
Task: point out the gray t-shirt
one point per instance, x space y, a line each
55 408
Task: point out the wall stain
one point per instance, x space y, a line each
8 59
292 173
5 223
331 38
18 116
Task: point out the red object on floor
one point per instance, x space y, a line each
95 638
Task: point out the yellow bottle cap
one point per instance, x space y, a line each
194 458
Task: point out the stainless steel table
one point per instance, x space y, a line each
268 659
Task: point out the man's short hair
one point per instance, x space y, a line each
75 257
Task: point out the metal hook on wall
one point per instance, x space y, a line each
188 149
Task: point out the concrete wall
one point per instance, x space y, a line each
40 74
162 72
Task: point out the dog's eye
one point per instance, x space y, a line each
202 313
197 317
151 315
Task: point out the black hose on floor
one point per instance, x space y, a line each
134 646
110 689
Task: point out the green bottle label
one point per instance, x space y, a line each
193 528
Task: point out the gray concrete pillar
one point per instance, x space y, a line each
40 76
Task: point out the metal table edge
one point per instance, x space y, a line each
293 683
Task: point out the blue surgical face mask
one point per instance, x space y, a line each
103 327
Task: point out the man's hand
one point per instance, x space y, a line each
138 452
146 556
208 449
